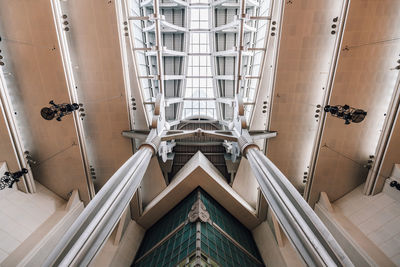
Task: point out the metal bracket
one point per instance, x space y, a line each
153 140
240 127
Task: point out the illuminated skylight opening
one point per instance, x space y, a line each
199 93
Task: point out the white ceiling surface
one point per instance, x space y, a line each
96 58
305 54
34 75
364 79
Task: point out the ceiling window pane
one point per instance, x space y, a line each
199 66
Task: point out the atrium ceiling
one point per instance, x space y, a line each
287 58
199 54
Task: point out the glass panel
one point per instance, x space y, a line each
199 67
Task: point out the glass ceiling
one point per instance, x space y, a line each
199 56
199 92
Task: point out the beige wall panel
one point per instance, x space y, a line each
96 56
364 79
305 54
153 182
34 76
245 184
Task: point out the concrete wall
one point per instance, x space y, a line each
268 246
122 254
275 253
245 184
21 214
377 217
152 183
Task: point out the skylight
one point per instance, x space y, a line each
201 44
199 93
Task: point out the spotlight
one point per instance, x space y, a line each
395 184
347 113
58 110
10 178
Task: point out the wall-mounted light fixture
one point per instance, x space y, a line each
395 184
346 113
58 110
10 178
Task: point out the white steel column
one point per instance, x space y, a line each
185 62
312 240
213 61
90 231
160 67
72 92
240 44
16 141
309 236
384 139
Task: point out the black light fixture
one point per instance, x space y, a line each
346 113
10 178
395 184
58 110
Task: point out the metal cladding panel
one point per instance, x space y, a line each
180 243
230 224
166 224
224 251
173 250
214 153
168 40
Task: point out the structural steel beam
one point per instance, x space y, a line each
174 27
213 61
240 44
27 184
185 63
387 131
72 92
232 4
181 3
257 135
198 133
160 65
